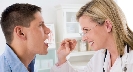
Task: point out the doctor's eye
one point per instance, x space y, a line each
85 30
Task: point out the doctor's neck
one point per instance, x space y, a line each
113 55
113 51
112 48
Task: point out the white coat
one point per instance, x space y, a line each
96 64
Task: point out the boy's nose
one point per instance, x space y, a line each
47 31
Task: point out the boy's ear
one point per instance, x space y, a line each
108 25
19 32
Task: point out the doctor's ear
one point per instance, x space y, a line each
108 25
19 32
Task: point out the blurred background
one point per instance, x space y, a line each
59 16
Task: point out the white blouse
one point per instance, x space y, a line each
96 63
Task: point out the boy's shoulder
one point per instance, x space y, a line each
4 64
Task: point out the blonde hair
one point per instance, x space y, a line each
99 11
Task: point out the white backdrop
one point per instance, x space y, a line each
126 6
48 11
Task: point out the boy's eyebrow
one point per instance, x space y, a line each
84 28
42 22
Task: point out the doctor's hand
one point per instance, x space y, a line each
65 48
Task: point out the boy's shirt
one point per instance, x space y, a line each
9 62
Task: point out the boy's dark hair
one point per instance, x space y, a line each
17 15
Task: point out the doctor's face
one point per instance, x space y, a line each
94 33
37 33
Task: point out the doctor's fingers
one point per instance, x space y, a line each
67 47
67 40
62 46
73 43
64 41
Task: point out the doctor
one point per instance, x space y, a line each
105 29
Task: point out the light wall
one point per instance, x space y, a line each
126 7
48 11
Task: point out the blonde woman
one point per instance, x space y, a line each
105 29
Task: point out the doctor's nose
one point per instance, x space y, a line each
84 38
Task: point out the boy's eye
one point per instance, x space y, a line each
86 29
40 24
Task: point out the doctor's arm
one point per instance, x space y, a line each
66 67
63 65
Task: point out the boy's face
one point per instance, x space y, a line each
37 33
